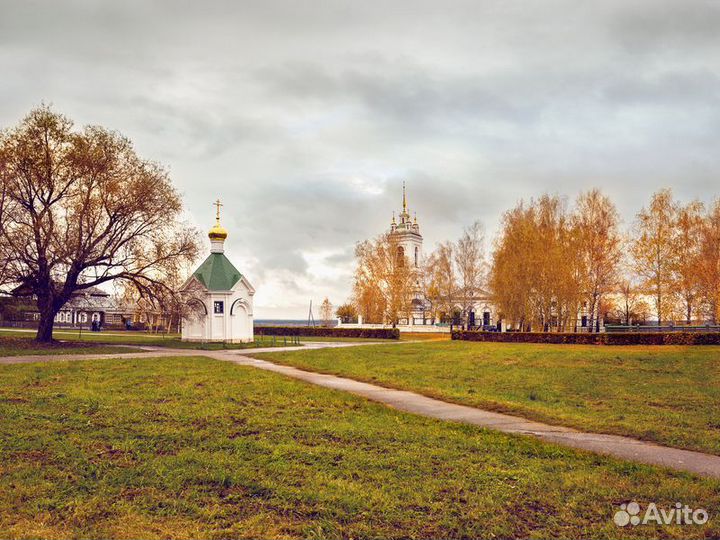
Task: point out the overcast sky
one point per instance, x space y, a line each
305 117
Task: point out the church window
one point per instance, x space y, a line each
400 256
218 306
416 256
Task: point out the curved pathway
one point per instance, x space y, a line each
612 445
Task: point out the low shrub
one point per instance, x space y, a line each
317 331
634 338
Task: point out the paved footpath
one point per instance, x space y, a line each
612 445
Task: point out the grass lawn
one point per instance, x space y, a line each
173 340
331 339
73 337
12 346
191 447
670 395
424 336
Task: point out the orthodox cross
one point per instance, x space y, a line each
217 204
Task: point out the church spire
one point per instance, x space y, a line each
405 222
218 233
404 216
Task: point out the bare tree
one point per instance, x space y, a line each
166 305
631 305
469 260
79 209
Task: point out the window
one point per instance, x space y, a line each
400 256
218 306
416 256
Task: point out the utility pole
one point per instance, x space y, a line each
311 319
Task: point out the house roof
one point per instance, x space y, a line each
24 290
217 273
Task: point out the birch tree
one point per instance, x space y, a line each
534 277
709 262
470 264
686 260
326 312
599 252
444 280
384 276
631 305
653 250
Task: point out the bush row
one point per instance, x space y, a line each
316 331
654 338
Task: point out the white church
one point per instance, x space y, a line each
422 318
219 297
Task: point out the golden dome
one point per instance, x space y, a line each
218 232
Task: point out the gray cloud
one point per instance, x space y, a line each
305 118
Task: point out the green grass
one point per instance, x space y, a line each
11 346
171 340
191 447
342 339
424 336
670 395
145 339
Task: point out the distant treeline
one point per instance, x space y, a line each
555 266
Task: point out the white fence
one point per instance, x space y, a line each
415 328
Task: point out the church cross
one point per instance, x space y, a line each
217 204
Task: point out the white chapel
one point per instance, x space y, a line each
219 298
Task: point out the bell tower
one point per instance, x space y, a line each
407 233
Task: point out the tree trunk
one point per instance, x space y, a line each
47 320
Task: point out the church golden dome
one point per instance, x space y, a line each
218 232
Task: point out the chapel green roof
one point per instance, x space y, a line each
217 273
